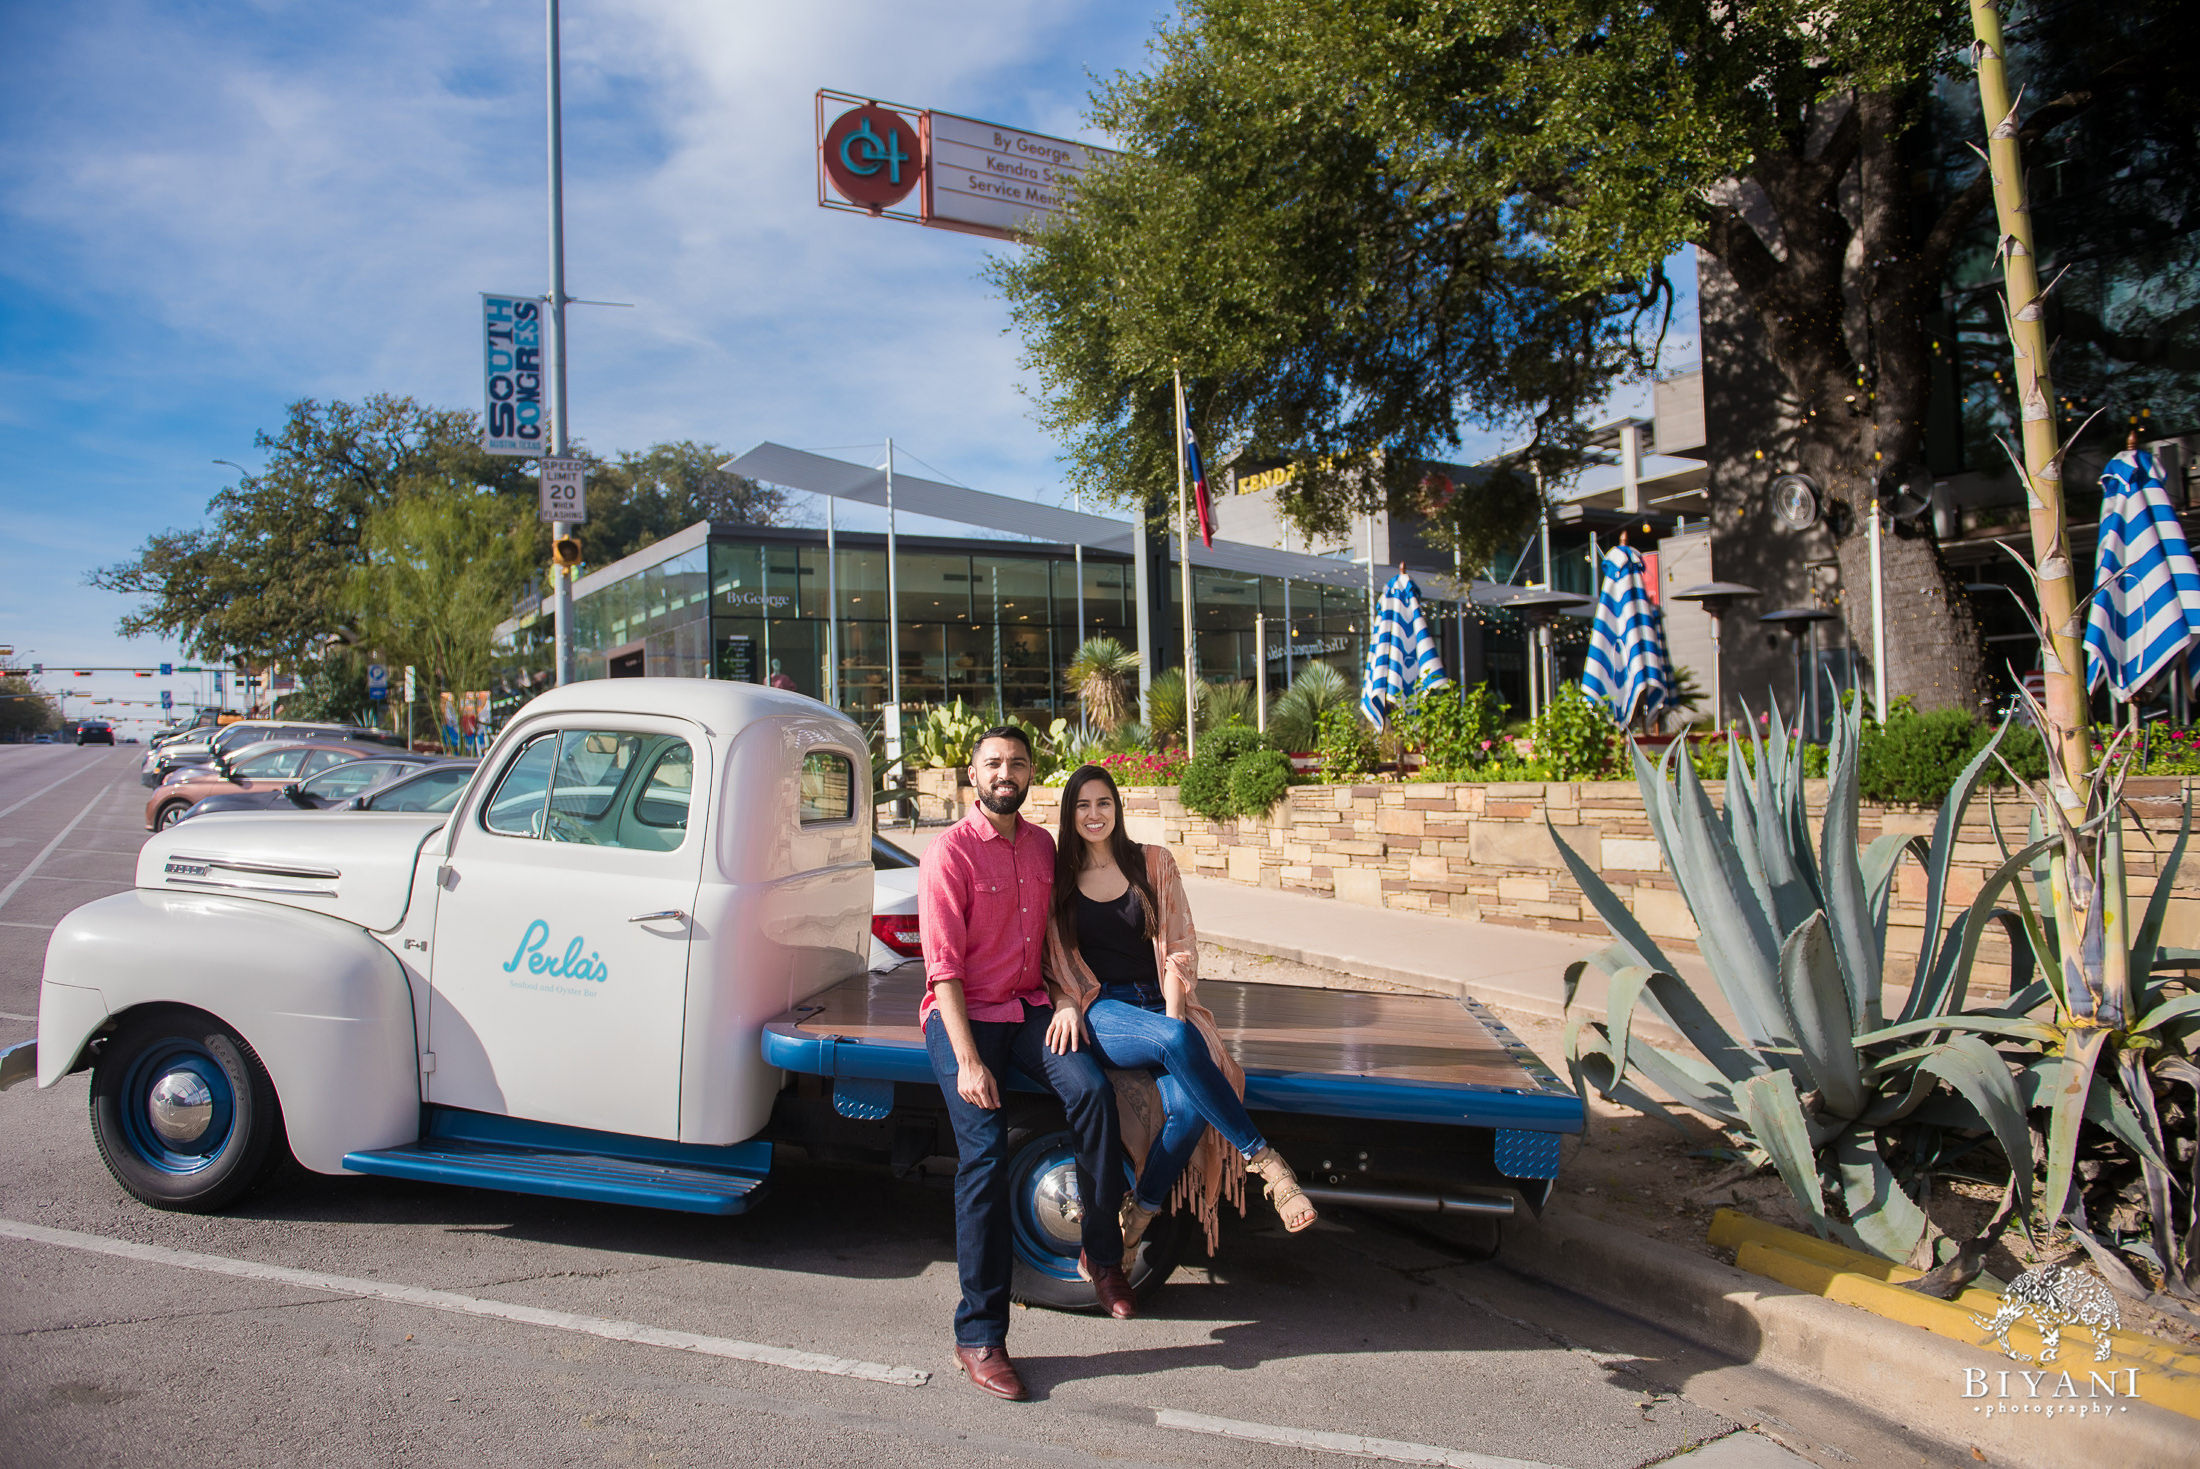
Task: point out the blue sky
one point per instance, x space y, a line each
210 209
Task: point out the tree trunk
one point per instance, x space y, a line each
1841 302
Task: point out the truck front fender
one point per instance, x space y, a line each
327 1007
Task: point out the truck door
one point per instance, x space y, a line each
560 960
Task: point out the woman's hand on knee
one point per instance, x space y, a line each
1066 1031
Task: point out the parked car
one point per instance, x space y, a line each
377 783
208 747
268 769
95 732
44 739
894 934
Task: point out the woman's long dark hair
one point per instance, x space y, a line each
1069 859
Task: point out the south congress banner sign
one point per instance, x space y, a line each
512 416
979 178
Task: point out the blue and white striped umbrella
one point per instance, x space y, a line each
1627 670
1401 653
2145 611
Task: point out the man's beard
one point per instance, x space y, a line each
1003 805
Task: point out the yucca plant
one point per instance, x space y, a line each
1104 677
1820 1082
1295 718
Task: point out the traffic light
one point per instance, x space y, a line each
141 673
565 551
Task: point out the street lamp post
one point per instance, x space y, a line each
562 615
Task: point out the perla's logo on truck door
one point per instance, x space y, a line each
572 964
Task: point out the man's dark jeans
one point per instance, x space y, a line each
983 1233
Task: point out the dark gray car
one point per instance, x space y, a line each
380 783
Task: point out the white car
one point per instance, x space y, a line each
894 938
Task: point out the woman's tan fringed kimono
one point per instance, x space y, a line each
1217 1170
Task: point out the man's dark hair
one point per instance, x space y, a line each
1004 732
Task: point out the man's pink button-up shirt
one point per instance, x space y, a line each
982 911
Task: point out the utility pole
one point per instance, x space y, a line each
560 438
1184 559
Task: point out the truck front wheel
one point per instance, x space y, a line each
184 1113
1046 1213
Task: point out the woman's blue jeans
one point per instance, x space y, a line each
1194 1092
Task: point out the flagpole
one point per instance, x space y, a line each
1184 558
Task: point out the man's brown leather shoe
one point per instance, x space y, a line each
989 1370
1111 1285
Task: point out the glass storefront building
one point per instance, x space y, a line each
992 622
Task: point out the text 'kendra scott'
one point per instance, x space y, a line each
572 964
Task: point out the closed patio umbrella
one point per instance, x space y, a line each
1401 652
2145 612
1627 670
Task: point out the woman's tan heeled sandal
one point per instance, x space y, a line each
1282 1187
1135 1220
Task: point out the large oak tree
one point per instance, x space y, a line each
1368 225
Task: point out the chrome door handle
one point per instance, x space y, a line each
652 917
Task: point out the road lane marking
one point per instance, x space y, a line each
11 1015
443 1300
4 923
58 838
1359 1447
34 795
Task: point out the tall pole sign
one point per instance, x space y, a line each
559 430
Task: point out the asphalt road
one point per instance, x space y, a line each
1399 1340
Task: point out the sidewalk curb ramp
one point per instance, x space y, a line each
1898 1371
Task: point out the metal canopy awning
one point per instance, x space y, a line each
798 469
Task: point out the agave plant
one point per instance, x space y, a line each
1226 703
1819 1080
2106 1013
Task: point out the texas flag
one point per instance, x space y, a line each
1197 473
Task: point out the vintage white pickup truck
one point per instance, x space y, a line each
630 963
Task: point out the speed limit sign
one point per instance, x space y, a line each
564 483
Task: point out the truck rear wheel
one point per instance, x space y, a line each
183 1111
1045 1210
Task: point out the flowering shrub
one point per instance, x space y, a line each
1145 768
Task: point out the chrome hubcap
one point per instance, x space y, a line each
1057 1208
180 1107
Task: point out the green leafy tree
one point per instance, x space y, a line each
266 577
1359 228
24 708
443 562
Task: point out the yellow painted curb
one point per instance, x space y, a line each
2165 1374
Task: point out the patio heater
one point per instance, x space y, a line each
1716 597
1539 608
1801 624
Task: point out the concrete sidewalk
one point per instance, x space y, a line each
1517 969
1512 968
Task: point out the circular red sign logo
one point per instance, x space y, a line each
873 156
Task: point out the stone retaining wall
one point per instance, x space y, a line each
1482 852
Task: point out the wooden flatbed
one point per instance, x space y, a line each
1351 1056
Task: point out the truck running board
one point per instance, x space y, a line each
477 1150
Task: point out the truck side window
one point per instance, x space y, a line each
661 811
519 806
828 788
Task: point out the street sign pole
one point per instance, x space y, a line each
562 616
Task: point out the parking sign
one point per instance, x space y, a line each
167 699
378 681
